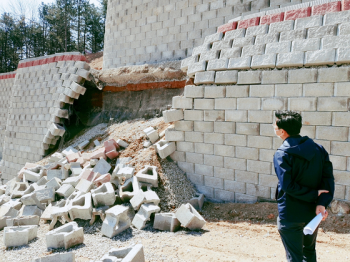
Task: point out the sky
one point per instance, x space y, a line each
7 5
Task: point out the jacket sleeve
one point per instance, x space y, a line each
327 182
283 168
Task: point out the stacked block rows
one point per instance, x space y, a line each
226 142
6 83
42 92
310 41
144 31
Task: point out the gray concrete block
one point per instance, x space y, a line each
263 61
333 104
302 104
209 55
278 48
240 63
318 89
320 57
266 39
257 30
172 115
317 118
249 77
207 77
19 236
63 257
65 236
252 50
226 77
276 76
337 18
166 221
225 103
341 89
241 42
243 198
182 102
214 91
116 221
192 91
259 116
332 133
189 217
213 38
238 33
337 74
247 128
343 56
196 67
281 26
308 22
289 90
233 52
247 153
237 91
245 176
217 64
223 150
214 115
302 76
204 103
330 42
204 148
322 31
248 103
293 35
303 45
207 127
290 59
262 90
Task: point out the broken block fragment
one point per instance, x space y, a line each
128 189
65 236
116 221
189 217
65 190
165 148
102 167
152 134
23 221
197 201
61 257
103 195
122 143
125 173
144 198
19 236
144 215
84 185
166 222
125 254
81 207
148 175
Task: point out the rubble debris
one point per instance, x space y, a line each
81 207
189 217
19 236
65 236
148 175
116 221
144 215
340 207
103 195
125 254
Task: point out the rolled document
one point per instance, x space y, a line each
310 228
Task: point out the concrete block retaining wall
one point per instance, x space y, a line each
225 142
6 83
146 31
38 100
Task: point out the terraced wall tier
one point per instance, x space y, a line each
226 142
40 97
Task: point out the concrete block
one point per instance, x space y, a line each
240 63
237 91
213 38
166 222
247 128
333 104
65 236
233 52
257 30
204 103
322 31
182 102
209 55
247 153
241 42
185 63
144 215
214 115
211 160
174 135
204 126
291 59
146 197
33 174
207 77
214 91
151 134
235 140
278 48
302 104
247 177
248 103
124 173
165 148
193 115
125 254
281 26
30 211
129 189
337 74
263 61
148 175
302 76
249 77
293 35
194 91
320 57
343 56
318 89
104 195
46 195
289 90
19 236
332 133
260 116
102 167
19 189
308 22
226 77
196 67
317 118
65 190
189 217
238 33
337 18
122 143
200 49
84 185
274 77
197 201
80 207
194 137
23 221
303 45
54 183
64 257
258 190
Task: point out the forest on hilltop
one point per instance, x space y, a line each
63 26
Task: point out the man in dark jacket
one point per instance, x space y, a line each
305 186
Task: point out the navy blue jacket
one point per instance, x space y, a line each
302 167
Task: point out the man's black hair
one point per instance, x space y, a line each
290 121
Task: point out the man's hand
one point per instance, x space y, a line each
322 209
322 191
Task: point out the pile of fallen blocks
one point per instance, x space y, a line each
79 185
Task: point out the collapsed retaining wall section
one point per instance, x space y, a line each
42 92
226 142
146 31
6 83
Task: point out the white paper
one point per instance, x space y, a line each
310 228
